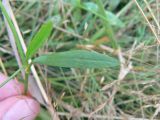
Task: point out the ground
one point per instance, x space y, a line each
129 91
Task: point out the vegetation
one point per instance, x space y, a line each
96 59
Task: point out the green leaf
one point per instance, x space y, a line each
39 39
77 59
108 17
13 30
10 78
91 6
113 4
74 3
113 19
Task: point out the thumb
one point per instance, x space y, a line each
12 88
19 107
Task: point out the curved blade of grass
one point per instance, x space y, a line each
106 15
10 78
39 39
77 59
107 18
12 27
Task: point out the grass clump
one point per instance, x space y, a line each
104 27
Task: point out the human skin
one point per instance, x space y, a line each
14 105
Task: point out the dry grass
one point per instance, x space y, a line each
130 92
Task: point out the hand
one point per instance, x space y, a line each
14 105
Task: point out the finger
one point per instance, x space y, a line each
12 88
18 108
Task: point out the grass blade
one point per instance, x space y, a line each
12 27
39 39
77 59
10 78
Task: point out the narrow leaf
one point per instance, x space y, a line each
10 78
108 17
77 59
39 39
13 31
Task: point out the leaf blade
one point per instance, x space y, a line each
77 59
108 16
13 31
39 39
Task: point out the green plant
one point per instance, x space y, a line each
72 59
81 24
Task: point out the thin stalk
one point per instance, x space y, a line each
150 25
27 72
33 70
26 83
11 25
152 14
107 25
10 78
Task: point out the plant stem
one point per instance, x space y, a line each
12 27
107 25
10 78
27 72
